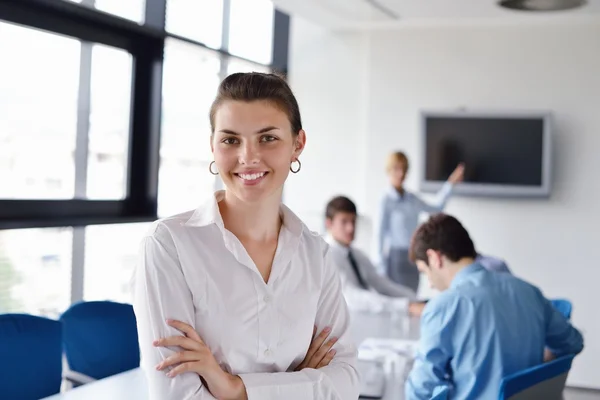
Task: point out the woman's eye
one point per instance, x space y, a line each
230 140
268 138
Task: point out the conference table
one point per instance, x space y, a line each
398 329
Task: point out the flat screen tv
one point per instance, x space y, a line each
505 154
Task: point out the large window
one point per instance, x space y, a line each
78 107
35 271
109 120
129 9
190 80
251 34
110 257
39 76
199 20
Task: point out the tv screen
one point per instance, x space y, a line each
504 155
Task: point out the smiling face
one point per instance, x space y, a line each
253 146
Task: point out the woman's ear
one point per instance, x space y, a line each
299 144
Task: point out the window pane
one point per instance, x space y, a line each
109 123
35 271
110 257
200 20
190 81
39 78
251 29
236 65
130 9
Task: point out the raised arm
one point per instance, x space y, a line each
444 194
338 380
161 292
441 199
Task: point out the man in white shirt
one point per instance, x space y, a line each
363 287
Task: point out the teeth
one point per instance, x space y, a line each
251 177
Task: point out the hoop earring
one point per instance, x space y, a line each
295 171
210 168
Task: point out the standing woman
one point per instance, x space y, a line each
399 217
228 297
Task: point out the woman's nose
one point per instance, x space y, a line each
249 154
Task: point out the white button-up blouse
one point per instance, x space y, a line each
194 270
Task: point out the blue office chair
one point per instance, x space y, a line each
31 349
542 382
100 339
563 306
441 393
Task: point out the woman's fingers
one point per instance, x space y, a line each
178 358
187 329
181 368
321 353
327 359
316 344
185 343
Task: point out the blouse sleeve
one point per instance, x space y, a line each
161 292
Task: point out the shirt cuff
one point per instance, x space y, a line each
260 386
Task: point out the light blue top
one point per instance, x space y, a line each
492 263
484 327
399 217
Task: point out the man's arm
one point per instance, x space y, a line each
434 352
561 337
381 284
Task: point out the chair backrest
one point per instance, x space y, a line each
441 393
100 338
31 349
563 306
544 382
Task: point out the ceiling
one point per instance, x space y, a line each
377 14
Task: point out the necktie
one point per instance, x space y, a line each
354 265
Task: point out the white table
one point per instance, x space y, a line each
401 331
125 386
399 327
132 384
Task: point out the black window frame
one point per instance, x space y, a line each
146 44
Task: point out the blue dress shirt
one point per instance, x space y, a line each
492 263
485 326
399 217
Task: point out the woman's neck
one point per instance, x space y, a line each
258 222
400 189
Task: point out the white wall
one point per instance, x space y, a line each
328 76
548 242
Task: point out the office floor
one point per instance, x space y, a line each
581 394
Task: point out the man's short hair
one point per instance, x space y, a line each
339 204
442 233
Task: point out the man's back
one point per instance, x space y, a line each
484 327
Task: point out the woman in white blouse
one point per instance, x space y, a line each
228 297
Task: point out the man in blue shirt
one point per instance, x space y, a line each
484 325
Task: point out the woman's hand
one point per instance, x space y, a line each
458 174
319 355
196 357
